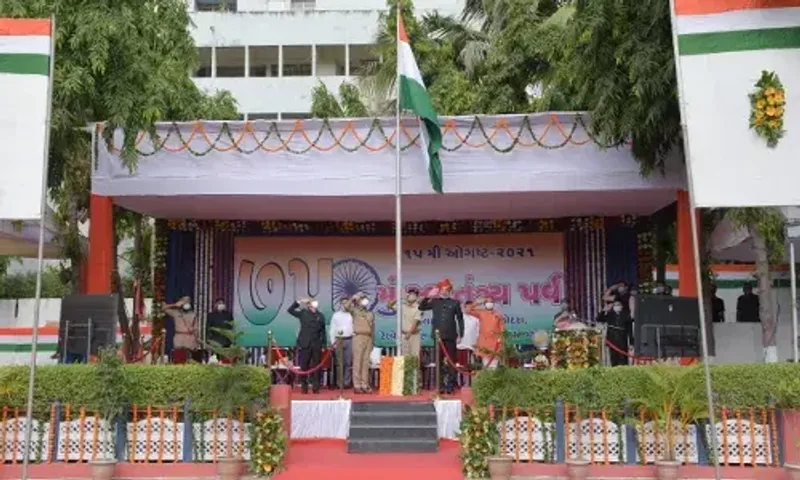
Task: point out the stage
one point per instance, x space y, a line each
326 415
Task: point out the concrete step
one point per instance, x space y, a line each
392 445
377 432
393 418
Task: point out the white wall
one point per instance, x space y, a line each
284 5
19 313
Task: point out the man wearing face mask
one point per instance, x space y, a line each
184 342
619 333
363 332
341 329
219 319
448 319
412 321
491 327
310 339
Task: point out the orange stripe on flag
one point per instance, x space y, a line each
402 30
24 26
705 7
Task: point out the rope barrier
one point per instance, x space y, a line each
458 367
325 357
627 354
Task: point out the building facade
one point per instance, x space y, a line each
270 53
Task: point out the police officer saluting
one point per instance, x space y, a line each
448 319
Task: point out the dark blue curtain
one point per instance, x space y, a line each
180 273
622 255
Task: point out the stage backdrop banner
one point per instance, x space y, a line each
725 47
523 272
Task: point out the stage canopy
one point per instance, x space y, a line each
511 166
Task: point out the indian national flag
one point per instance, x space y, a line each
24 102
724 46
414 98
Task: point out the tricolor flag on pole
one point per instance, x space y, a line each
414 98
723 50
25 50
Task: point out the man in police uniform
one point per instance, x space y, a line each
363 332
448 319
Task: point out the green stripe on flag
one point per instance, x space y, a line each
26 347
24 63
739 41
415 98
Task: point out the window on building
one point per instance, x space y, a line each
216 5
304 4
230 62
361 59
296 116
330 60
262 116
203 62
264 61
297 61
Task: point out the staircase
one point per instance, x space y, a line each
393 427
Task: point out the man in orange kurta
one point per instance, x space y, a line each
490 336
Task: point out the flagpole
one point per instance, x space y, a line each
695 242
398 204
26 458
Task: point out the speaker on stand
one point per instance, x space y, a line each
88 323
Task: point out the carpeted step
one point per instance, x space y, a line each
392 427
366 432
413 419
392 445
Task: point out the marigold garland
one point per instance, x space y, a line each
576 349
767 108
385 387
480 439
267 443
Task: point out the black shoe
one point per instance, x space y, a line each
304 389
315 390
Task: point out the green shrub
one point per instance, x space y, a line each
735 386
148 384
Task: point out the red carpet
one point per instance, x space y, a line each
329 460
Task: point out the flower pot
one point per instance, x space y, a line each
103 469
230 468
667 470
792 471
577 469
500 467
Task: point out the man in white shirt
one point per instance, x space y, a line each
471 329
341 329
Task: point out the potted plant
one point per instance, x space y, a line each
267 442
111 400
584 397
788 400
674 400
231 390
480 441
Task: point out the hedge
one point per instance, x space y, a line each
148 384
734 386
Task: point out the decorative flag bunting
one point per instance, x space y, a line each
739 80
25 49
414 98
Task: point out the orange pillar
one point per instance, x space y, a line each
101 245
687 275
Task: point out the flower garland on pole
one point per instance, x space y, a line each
159 276
267 443
574 349
767 107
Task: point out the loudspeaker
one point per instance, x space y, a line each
85 320
666 327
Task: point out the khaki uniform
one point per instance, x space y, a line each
185 328
363 331
412 320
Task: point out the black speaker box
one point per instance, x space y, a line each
666 327
85 319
